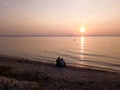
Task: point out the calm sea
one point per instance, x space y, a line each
94 51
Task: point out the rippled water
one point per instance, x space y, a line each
96 51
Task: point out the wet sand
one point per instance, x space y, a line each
23 74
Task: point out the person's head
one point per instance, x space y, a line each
58 57
61 58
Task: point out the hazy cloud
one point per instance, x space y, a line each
3 3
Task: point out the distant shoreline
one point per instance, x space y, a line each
38 75
56 35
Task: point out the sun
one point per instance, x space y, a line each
82 29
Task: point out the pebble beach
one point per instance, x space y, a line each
22 74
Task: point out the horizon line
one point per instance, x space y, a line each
51 35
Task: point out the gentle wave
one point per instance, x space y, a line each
95 55
66 55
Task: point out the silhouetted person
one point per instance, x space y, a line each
58 62
62 63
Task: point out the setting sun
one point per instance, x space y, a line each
82 29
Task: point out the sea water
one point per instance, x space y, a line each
94 51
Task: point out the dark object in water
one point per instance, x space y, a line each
60 62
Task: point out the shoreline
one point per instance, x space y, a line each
77 66
43 76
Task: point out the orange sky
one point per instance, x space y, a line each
59 17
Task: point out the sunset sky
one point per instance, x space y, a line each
59 17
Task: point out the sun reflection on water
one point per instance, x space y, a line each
82 47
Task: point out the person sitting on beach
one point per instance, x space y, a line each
58 62
62 63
